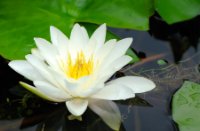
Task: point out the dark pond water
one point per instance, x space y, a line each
177 45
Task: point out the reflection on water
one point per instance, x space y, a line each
168 78
181 36
20 110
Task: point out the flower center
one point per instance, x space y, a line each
81 67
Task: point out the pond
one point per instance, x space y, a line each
169 55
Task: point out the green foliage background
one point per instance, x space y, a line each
21 20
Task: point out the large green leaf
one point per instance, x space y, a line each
173 11
131 14
21 20
186 107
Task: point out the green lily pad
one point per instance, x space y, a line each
22 20
173 11
186 107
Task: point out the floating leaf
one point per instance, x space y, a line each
186 107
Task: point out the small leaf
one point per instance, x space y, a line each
162 62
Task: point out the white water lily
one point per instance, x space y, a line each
75 70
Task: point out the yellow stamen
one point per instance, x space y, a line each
81 67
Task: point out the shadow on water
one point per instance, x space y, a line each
181 36
151 111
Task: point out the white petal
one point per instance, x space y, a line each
114 92
85 34
77 37
64 83
136 83
108 111
48 51
90 89
37 53
90 48
52 91
105 49
82 87
119 50
27 70
42 68
114 66
37 92
99 36
121 62
58 38
77 106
